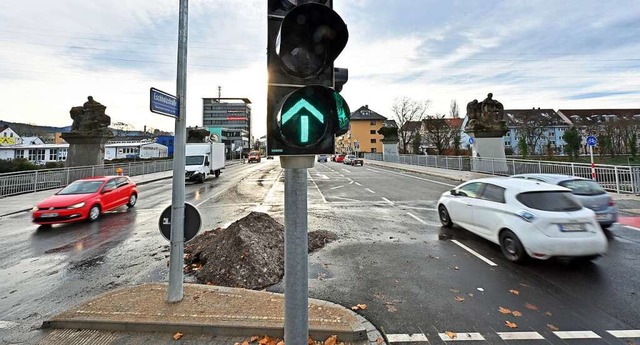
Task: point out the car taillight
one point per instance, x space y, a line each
611 202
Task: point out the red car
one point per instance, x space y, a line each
340 158
86 199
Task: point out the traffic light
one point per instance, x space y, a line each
304 111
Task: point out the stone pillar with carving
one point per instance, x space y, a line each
487 125
89 133
389 142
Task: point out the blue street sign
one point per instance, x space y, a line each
471 140
164 103
591 140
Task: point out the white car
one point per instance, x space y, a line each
526 218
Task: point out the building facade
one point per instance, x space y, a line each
231 117
362 136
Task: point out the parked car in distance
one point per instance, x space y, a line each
322 158
353 160
528 219
333 158
587 191
86 199
340 158
254 156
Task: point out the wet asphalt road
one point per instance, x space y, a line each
392 255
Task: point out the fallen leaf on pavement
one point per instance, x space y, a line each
254 338
266 340
391 308
456 268
504 310
531 306
515 292
380 340
459 299
548 313
454 290
359 307
177 336
451 335
331 340
481 289
516 313
310 341
510 324
552 327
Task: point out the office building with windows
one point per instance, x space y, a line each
230 118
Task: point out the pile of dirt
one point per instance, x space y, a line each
248 254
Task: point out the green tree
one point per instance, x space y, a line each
417 141
633 146
523 147
606 145
573 139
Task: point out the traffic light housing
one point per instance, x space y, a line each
304 112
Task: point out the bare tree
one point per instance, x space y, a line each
406 109
454 109
437 132
532 128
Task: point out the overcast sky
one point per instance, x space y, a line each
548 54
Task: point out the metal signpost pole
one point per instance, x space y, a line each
593 166
176 275
296 289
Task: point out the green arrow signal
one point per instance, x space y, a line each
302 104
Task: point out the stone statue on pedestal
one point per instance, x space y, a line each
486 118
89 132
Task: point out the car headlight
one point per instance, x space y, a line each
35 208
78 205
526 216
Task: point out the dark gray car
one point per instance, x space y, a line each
589 192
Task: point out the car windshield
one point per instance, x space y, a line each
253 153
194 160
351 156
554 201
583 187
81 187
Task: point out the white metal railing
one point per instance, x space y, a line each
619 179
36 180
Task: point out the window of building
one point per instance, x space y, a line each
19 153
373 141
53 154
373 150
40 154
32 155
373 131
373 122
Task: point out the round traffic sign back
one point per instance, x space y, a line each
192 222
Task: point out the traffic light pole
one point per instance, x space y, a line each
296 287
176 260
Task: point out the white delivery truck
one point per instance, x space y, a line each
202 160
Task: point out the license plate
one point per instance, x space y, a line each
572 227
603 216
48 215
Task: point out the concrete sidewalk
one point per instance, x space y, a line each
210 310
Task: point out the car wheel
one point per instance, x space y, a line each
511 246
445 219
216 173
44 226
132 200
94 213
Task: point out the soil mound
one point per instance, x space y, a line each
248 254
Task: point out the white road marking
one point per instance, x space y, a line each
358 184
370 191
318 188
406 338
520 335
461 336
7 324
631 333
491 263
630 227
388 201
337 187
416 217
416 177
347 171
576 335
262 208
348 199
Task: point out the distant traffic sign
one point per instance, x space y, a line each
471 140
591 140
192 222
164 103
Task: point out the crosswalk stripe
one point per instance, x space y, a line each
461 336
631 333
520 335
576 335
407 338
